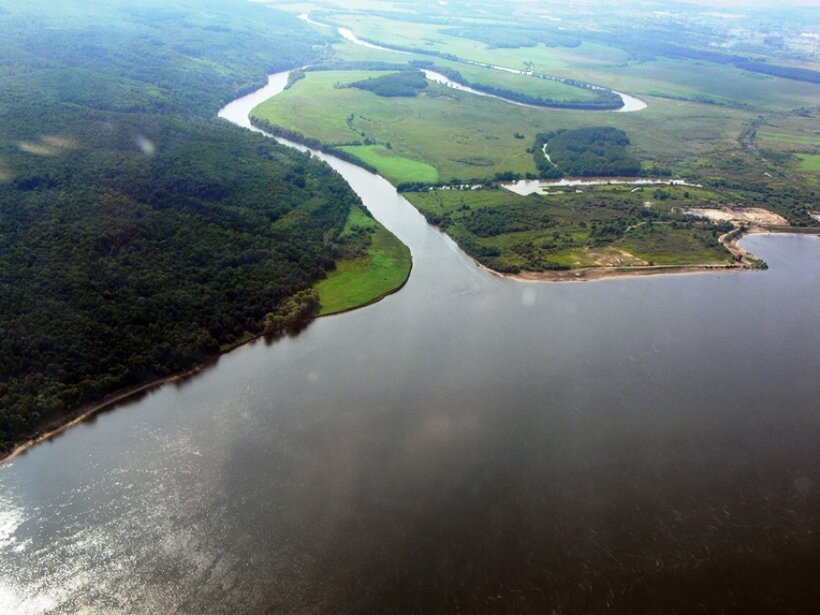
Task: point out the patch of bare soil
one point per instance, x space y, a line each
613 257
750 215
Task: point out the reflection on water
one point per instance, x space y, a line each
470 443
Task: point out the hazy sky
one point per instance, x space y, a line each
722 4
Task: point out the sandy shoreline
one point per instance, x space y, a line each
592 274
74 417
65 422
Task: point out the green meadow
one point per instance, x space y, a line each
466 136
809 163
599 64
706 82
431 37
374 264
475 140
395 168
529 85
789 138
793 134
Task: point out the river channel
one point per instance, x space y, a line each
468 444
630 103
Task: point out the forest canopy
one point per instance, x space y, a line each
138 233
404 83
585 152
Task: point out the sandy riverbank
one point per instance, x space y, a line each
74 417
591 274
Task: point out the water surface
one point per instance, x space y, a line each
469 443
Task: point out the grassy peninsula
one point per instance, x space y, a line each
372 264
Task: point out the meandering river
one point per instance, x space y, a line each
630 103
469 443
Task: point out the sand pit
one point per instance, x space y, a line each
752 215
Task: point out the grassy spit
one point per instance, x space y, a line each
374 264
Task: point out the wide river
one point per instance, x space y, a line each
470 443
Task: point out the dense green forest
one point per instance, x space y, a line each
584 152
138 233
404 83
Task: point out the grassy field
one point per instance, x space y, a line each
789 138
466 136
603 227
700 81
430 37
376 264
602 65
531 86
794 134
347 51
809 163
474 140
395 168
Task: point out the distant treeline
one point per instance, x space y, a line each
343 65
585 152
776 70
499 37
671 50
643 44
